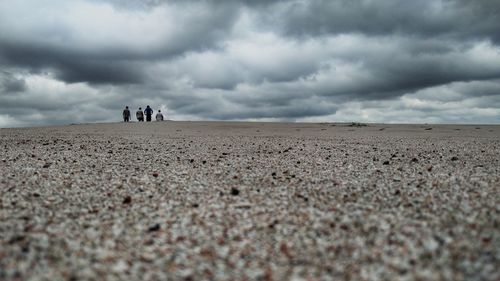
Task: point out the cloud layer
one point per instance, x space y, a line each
360 60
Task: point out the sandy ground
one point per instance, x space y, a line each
250 201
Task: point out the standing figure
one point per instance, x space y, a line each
126 114
159 116
139 115
149 112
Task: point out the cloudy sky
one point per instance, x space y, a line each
426 61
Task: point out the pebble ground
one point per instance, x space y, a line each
250 201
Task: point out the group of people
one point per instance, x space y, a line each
148 112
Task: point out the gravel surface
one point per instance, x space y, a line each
250 201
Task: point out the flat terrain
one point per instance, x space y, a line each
250 201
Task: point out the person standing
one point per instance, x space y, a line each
159 116
139 115
149 112
126 114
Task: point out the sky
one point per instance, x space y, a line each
378 61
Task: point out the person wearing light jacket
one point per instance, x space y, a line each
139 115
159 116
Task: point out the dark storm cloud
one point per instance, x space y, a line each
392 75
70 66
448 18
289 113
9 84
231 109
65 50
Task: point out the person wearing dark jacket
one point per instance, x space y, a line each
126 114
149 112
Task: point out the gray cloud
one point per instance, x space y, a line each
116 53
10 84
70 66
381 61
457 19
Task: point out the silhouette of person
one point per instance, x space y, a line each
139 115
159 116
149 112
126 114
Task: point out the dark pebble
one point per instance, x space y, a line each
235 191
127 200
454 158
275 222
16 239
386 163
155 227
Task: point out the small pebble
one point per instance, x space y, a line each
127 200
155 227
